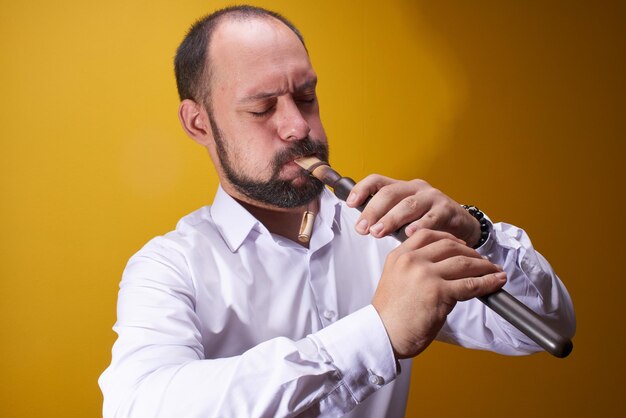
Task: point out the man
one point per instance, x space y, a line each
230 315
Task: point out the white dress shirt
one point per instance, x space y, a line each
221 318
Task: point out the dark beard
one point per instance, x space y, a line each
275 192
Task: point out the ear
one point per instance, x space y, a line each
195 121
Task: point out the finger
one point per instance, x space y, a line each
433 242
461 266
366 188
447 246
401 214
429 220
448 217
442 214
471 287
396 205
419 241
386 200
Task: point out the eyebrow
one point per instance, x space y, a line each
265 95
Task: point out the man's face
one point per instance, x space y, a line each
264 112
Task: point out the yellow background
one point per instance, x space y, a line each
517 107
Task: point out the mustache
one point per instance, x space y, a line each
302 148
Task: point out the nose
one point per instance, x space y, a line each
292 126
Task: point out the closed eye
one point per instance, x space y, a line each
263 112
306 99
305 94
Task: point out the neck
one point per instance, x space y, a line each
280 221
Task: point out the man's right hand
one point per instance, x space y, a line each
422 281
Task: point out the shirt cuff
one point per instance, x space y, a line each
359 347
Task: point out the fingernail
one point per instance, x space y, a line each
351 198
376 229
501 276
409 230
361 226
499 267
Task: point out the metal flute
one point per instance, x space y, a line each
500 301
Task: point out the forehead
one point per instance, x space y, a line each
254 53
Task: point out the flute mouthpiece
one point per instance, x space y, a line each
309 163
319 169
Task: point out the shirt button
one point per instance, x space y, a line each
328 314
376 380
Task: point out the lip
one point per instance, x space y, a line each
290 166
292 171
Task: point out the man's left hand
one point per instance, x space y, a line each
413 203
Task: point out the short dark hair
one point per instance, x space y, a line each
191 64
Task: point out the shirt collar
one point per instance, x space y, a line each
330 210
235 223
233 220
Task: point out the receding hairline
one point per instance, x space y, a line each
192 61
234 17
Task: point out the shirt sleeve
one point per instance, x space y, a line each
159 367
530 279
